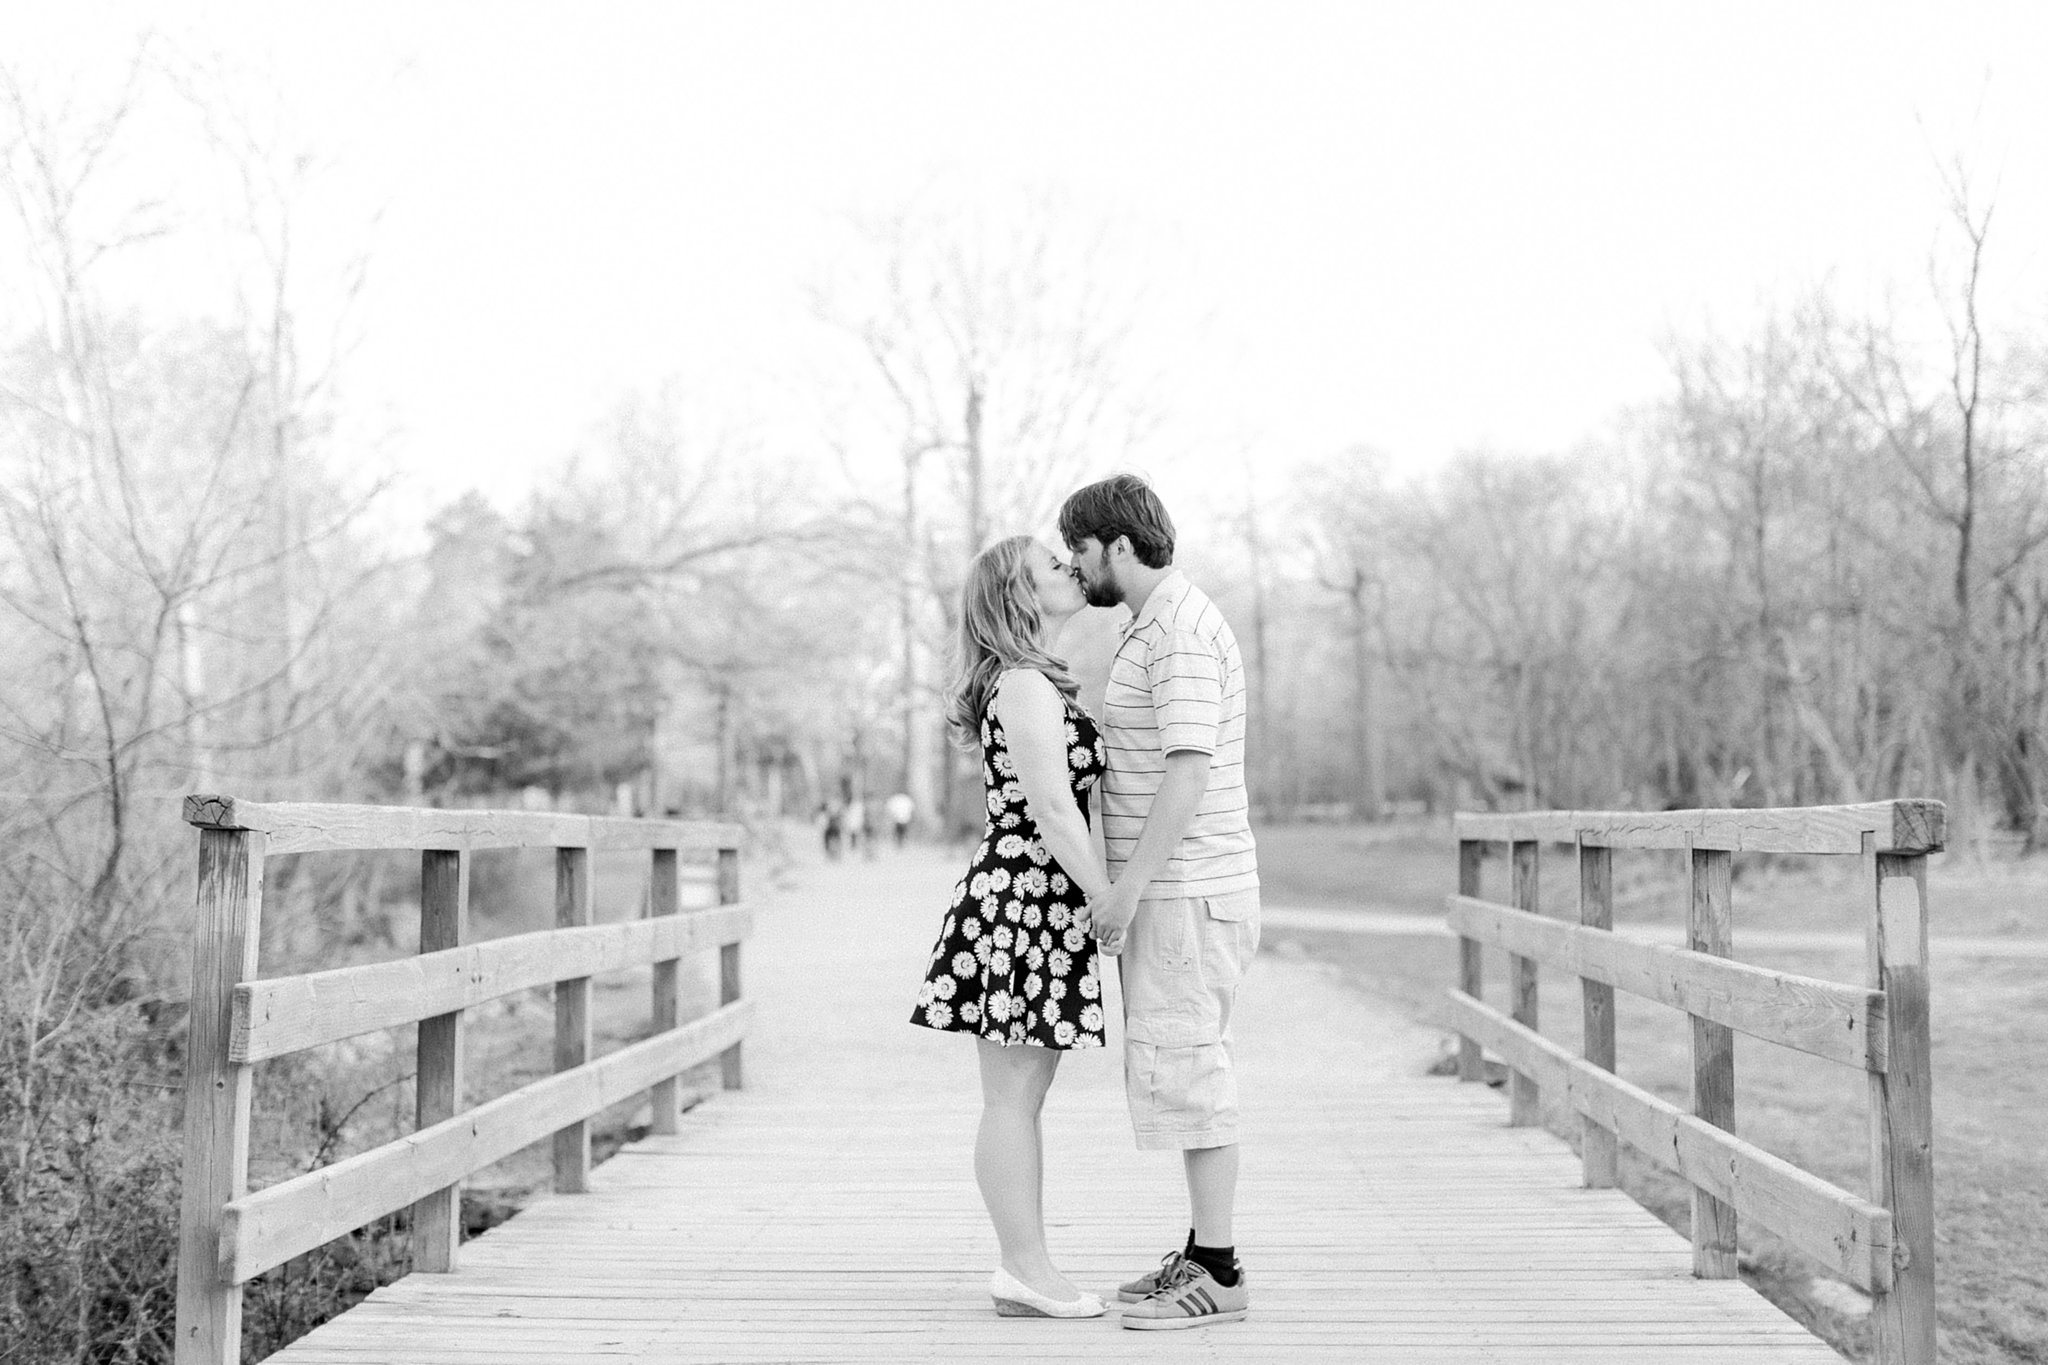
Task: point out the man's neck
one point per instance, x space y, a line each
1139 584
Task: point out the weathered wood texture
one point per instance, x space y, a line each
572 1017
1471 966
280 1015
1847 1234
1897 827
444 915
664 900
1525 1103
1597 1151
307 827
227 930
1826 1018
828 1212
1710 930
273 1225
729 1069
1902 1105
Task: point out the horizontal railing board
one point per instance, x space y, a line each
1848 1235
1897 827
310 827
271 1226
1828 1019
279 1015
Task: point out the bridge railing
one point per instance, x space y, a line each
228 1234
1883 1245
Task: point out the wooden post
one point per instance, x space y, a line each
729 963
444 916
1902 1106
1710 926
1471 1064
1525 1104
230 913
572 1017
664 897
1596 999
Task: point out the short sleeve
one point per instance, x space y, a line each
1186 678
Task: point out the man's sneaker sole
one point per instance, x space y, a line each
1174 1324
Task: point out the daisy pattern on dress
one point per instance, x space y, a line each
1010 951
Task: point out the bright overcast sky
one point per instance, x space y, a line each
1419 226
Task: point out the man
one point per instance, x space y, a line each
1183 908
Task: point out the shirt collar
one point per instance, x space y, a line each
1165 596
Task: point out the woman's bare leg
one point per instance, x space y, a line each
1009 1159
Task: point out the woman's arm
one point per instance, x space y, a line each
1035 723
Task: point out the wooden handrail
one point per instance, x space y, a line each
228 1234
1885 1244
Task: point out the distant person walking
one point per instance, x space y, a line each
901 810
1183 906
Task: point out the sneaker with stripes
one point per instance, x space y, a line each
1189 1296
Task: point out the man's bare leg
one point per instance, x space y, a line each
1212 1193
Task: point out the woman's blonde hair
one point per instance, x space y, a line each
999 628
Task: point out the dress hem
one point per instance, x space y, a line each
1005 1041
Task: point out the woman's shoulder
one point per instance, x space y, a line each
1025 692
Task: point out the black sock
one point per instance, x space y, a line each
1220 1262
1189 1249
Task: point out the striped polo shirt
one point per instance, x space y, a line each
1177 683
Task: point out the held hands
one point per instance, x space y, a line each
1111 914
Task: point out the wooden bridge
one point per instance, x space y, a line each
827 1209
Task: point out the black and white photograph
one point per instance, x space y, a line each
941 680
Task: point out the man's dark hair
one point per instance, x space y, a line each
1122 505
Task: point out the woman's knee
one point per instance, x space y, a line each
1016 1077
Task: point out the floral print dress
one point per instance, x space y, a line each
1011 964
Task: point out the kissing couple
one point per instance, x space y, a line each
1173 896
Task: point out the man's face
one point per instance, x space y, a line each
1097 577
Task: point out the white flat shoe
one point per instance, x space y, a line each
1016 1299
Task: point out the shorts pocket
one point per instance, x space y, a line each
1233 908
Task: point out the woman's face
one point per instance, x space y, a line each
1059 592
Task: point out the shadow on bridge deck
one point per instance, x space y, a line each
828 1212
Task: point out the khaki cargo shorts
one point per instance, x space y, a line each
1181 964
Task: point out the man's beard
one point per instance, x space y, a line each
1103 592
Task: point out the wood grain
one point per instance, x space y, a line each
1597 1151
1471 967
572 1018
308 827
1844 1233
444 916
1525 1102
1710 931
1897 827
229 921
1902 1107
273 1225
1840 1022
281 1015
664 900
730 1073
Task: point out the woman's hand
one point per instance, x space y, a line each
1112 913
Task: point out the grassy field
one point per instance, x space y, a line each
1990 1031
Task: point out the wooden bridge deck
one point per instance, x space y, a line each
828 1212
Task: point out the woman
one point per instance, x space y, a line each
1015 965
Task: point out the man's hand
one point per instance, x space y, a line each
1112 914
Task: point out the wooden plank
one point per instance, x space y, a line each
1902 1107
273 1225
285 1014
444 917
1525 1103
729 1072
224 947
307 827
1710 930
1897 826
572 1018
1840 1022
1471 1065
664 899
1847 1235
1597 1151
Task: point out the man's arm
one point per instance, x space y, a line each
1173 810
